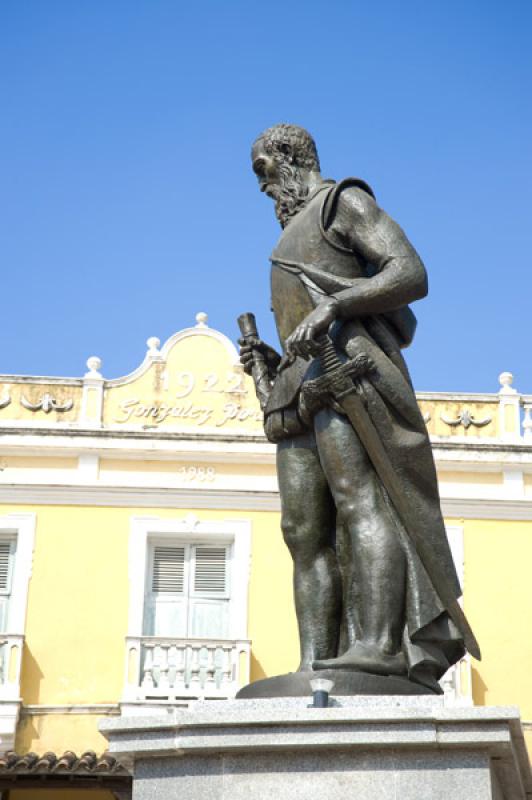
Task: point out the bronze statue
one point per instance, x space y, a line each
375 586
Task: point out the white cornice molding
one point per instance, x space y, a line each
72 435
139 497
458 397
479 456
453 508
100 709
53 379
224 450
473 508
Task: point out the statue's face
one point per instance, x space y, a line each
266 168
281 180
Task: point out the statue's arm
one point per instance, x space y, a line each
400 278
400 275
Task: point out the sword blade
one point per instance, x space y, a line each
369 436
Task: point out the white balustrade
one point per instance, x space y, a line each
457 684
10 664
159 668
527 419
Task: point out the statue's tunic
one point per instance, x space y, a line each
306 264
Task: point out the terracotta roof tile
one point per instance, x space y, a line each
89 763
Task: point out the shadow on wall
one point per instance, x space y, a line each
479 688
30 677
256 672
28 731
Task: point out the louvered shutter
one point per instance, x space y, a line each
168 571
210 570
209 601
6 567
166 604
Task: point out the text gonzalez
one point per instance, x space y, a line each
157 413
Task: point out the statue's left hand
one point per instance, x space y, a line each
302 341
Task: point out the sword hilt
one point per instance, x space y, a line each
339 378
328 355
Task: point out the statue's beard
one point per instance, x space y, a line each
290 195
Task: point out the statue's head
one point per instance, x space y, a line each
283 156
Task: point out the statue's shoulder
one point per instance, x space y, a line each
351 191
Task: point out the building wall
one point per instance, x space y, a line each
182 436
78 597
77 617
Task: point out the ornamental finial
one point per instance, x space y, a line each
94 364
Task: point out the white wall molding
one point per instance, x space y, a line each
513 481
88 468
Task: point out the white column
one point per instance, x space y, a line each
92 397
509 409
527 421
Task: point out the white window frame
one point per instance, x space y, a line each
20 528
455 536
147 530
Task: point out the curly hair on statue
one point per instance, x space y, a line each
300 142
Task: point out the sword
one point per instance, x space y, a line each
338 382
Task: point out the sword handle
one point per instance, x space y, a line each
327 353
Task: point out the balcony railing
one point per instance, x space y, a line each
10 662
457 684
160 668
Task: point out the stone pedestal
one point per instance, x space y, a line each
379 748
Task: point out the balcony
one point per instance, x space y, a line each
10 663
457 684
166 669
11 646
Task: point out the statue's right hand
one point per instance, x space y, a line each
251 343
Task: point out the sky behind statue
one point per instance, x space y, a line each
128 202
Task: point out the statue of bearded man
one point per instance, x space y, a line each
364 599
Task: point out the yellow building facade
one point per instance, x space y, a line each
142 564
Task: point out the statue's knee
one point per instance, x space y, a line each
299 535
357 501
348 511
291 532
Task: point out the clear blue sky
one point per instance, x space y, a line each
128 204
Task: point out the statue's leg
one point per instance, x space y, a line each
308 523
375 574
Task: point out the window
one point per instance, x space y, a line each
7 557
17 535
187 590
189 577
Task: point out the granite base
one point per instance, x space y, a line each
412 748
